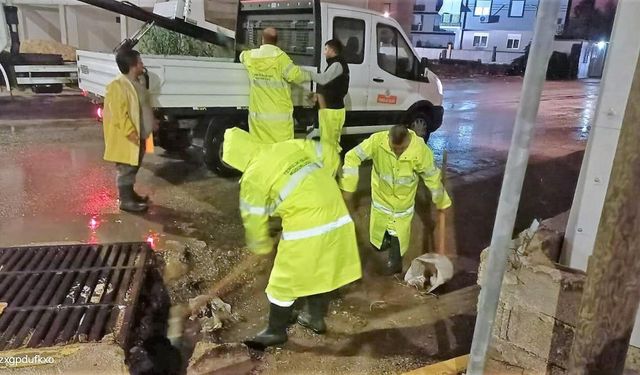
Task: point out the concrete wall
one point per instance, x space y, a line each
432 40
39 22
506 56
497 38
539 304
88 27
484 56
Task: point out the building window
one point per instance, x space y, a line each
513 41
483 8
350 32
394 54
480 40
516 8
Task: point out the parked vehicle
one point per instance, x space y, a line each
199 98
43 73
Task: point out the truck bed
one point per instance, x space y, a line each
180 81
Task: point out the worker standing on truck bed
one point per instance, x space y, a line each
399 158
333 85
317 252
128 127
270 73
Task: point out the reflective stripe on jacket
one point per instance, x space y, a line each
271 72
394 183
318 250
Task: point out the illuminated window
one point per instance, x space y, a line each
483 8
516 8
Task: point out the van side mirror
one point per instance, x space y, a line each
424 66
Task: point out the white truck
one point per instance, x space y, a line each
199 98
44 73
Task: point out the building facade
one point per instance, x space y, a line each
494 25
429 28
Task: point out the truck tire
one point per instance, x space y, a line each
55 88
212 149
175 140
419 122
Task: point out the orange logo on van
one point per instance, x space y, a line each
387 99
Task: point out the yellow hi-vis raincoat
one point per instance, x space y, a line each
317 252
394 182
121 117
270 106
331 122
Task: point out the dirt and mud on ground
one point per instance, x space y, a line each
54 187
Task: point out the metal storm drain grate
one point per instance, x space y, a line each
72 293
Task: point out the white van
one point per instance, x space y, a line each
201 97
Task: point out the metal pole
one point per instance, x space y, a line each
515 169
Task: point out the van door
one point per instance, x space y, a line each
394 81
352 29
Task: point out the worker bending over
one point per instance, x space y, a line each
270 73
333 85
317 252
399 157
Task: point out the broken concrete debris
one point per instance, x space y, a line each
539 303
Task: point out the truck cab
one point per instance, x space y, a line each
199 98
389 84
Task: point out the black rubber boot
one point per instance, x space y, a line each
140 199
394 264
312 316
276 331
127 201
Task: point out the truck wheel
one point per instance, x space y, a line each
55 88
213 140
419 123
174 140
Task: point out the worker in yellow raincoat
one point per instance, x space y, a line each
400 159
128 126
271 72
317 252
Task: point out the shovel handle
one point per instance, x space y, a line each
442 230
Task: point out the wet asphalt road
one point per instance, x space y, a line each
53 181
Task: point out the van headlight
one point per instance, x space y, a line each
439 85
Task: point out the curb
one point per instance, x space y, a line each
453 366
49 123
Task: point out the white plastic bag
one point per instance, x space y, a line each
429 271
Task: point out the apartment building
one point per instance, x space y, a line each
500 25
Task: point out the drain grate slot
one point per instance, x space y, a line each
72 293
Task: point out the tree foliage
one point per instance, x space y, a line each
591 23
160 41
